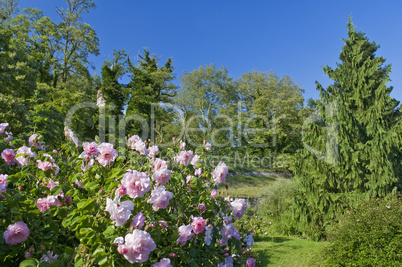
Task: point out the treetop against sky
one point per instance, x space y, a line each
287 37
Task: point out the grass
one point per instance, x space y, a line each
288 251
246 186
274 249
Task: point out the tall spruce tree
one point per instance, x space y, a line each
355 127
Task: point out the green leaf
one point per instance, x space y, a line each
85 203
92 185
69 251
55 190
31 262
108 232
67 220
85 231
102 260
15 210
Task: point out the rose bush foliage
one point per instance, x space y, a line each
98 205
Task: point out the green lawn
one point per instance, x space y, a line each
246 186
288 251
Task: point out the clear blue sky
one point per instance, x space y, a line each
295 37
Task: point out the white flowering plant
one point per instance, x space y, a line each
97 205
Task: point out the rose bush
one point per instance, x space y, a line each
99 205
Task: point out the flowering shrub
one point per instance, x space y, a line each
115 207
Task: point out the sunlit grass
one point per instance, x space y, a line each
246 186
288 251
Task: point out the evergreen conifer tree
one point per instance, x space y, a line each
355 128
150 86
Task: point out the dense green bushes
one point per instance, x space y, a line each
276 204
368 235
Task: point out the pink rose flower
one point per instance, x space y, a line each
9 137
119 240
85 167
165 262
16 233
34 141
136 183
141 148
133 140
185 233
160 198
91 149
153 150
188 178
122 249
198 225
2 189
119 211
107 154
202 207
159 164
249 240
3 183
220 173
3 126
79 184
45 166
162 176
9 156
250 262
208 235
138 221
184 157
227 232
44 203
239 206
163 224
228 261
198 172
214 193
227 220
49 257
121 191
195 160
21 160
137 246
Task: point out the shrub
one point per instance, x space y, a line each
369 234
276 203
108 207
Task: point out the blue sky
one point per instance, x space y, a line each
295 37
